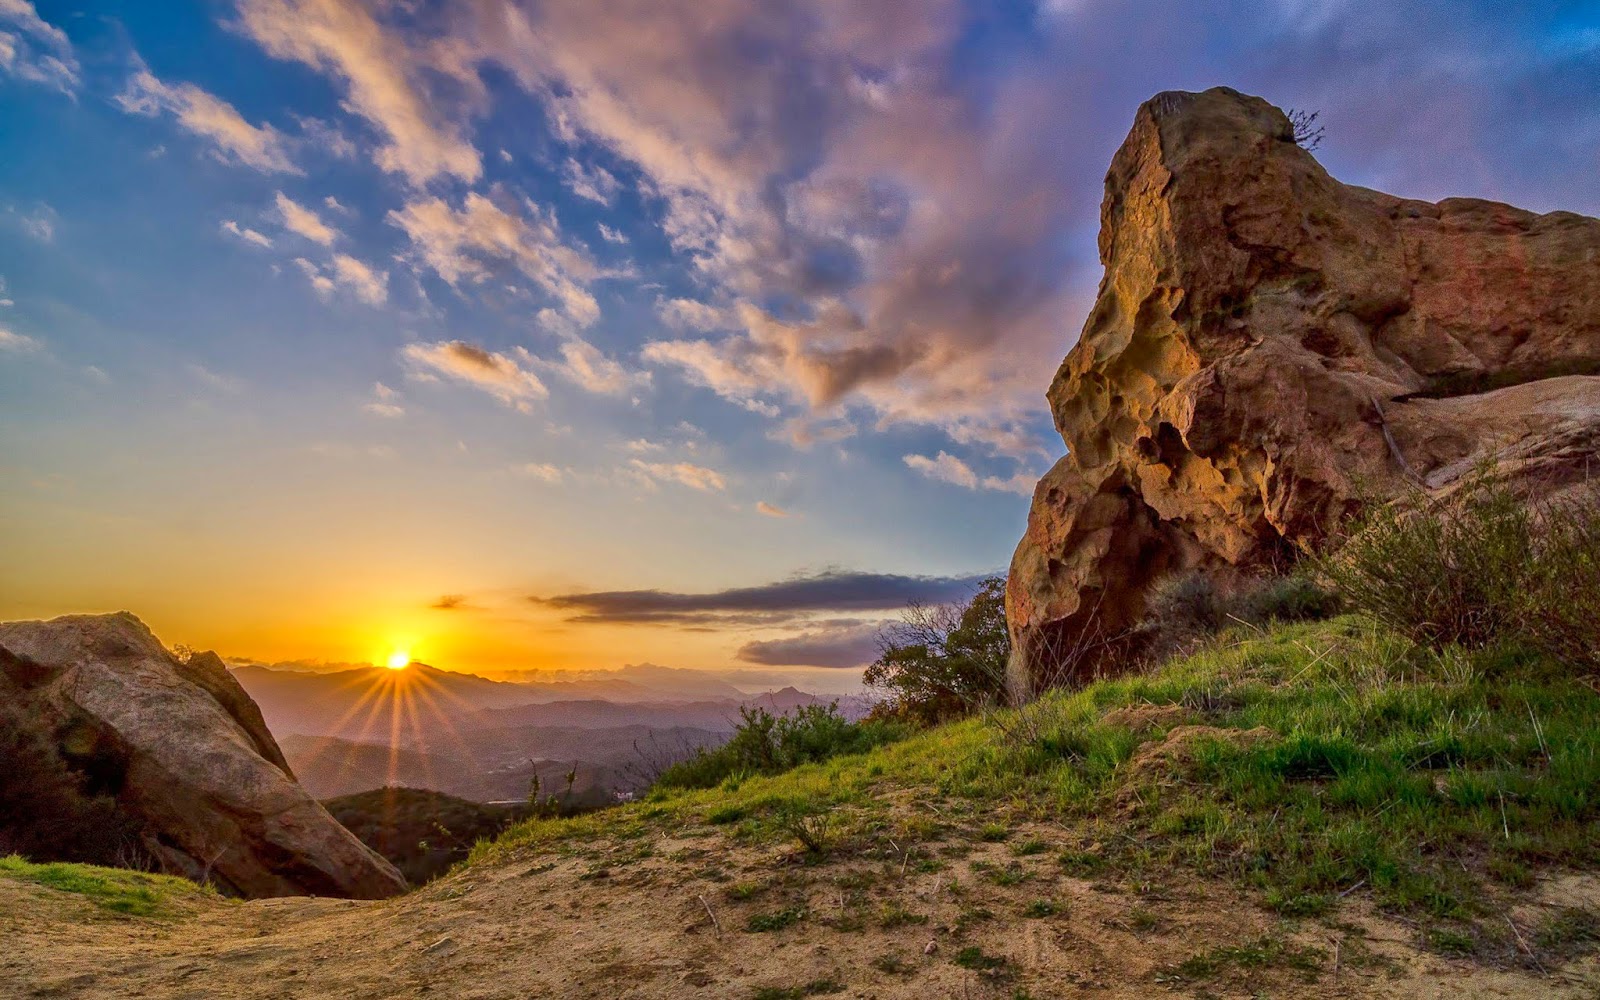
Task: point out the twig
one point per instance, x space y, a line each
1388 438
1336 944
715 923
1352 888
1524 945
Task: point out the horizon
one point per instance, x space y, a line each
539 339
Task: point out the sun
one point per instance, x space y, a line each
399 659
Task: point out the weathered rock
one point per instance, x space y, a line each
187 754
1269 347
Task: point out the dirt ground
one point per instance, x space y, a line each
679 915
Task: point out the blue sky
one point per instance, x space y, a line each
318 311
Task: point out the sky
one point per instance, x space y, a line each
529 336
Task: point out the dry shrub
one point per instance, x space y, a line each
1487 565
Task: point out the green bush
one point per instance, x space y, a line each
1485 566
941 662
765 743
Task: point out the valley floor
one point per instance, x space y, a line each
632 918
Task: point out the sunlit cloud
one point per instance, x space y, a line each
344 271
248 235
16 343
544 472
233 139
696 477
611 235
947 468
592 182
501 376
383 75
385 403
303 221
583 365
465 244
770 510
32 49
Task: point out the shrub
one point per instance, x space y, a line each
1485 566
1187 608
765 743
941 662
48 809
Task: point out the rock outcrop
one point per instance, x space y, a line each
1268 347
187 755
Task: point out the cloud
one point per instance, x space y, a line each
499 375
583 365
40 223
214 380
462 244
246 234
594 183
385 403
16 343
833 590
32 49
371 287
234 139
611 235
384 77
344 271
947 468
303 221
716 366
762 507
840 646
451 602
542 471
696 477
689 314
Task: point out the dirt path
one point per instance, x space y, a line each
629 918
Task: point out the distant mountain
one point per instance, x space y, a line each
328 767
367 703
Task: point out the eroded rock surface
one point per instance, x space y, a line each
1268 347
186 752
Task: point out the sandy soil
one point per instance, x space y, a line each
633 918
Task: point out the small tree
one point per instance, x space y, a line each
943 661
1307 133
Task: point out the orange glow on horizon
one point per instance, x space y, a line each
399 660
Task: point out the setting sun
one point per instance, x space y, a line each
399 660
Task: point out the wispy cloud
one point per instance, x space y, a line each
385 403
248 235
947 468
502 376
35 50
16 343
592 182
384 77
302 221
771 510
542 471
233 139
344 271
465 243
696 477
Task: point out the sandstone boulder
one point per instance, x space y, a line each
1269 347
187 755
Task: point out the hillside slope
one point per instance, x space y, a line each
1312 811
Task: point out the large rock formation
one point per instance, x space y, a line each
1269 346
186 753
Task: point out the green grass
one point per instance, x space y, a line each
1430 782
134 894
777 920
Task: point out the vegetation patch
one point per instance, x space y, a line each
776 920
131 893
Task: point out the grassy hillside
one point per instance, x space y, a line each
1320 809
1310 764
